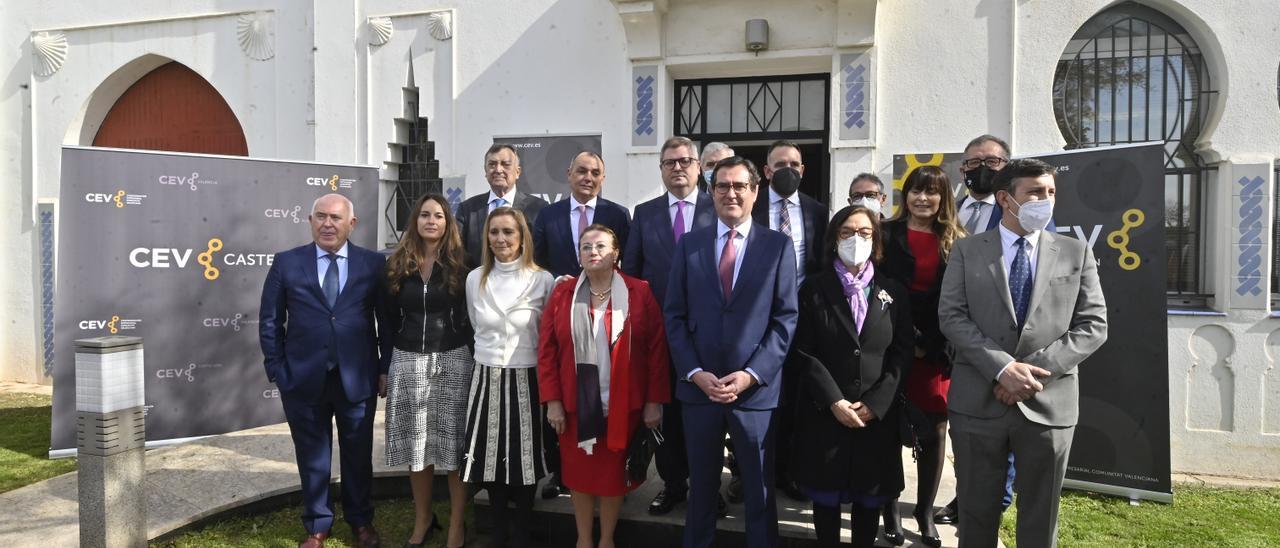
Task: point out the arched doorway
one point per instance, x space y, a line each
172 108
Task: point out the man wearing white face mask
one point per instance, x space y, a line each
867 191
1022 307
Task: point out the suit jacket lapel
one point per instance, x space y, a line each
667 237
1046 258
354 271
831 289
994 250
876 309
312 273
746 271
705 213
707 256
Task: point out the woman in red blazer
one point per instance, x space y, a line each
602 370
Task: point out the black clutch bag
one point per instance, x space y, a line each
640 453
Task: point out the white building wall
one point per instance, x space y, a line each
943 71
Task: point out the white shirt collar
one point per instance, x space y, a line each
989 200
691 199
510 193
573 202
743 229
320 252
1007 238
793 199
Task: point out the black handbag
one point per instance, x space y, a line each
640 453
915 430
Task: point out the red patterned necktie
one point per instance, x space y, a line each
727 257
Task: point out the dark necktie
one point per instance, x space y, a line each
728 256
1020 281
330 285
975 212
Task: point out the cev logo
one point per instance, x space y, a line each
333 182
294 214
1119 239
168 257
232 322
114 325
189 372
205 259
119 199
191 181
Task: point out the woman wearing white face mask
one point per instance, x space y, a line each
917 244
853 346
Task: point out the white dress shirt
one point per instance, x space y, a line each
493 199
984 218
1009 249
573 217
322 266
797 225
690 202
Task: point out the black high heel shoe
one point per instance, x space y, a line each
893 524
431 527
928 532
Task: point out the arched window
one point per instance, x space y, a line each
1132 75
172 108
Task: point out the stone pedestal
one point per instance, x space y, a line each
110 433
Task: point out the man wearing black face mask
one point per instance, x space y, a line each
803 219
983 157
790 212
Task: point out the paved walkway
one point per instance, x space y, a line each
189 482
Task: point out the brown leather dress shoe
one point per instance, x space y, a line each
367 537
314 540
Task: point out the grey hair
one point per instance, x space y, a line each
713 148
867 177
351 207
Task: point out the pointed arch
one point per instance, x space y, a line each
172 108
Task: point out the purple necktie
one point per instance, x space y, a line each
677 228
728 256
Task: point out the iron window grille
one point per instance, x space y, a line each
1130 75
790 107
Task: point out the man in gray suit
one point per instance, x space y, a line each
1022 307
501 170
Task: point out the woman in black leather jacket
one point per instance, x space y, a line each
428 376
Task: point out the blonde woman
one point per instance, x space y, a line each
503 442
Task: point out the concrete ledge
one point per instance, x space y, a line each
190 483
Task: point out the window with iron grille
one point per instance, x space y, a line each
766 107
1131 75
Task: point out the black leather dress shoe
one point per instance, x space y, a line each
793 492
665 501
947 515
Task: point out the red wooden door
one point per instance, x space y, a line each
173 108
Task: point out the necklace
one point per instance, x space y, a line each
601 295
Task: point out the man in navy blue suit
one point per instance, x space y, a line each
320 342
731 315
555 248
658 226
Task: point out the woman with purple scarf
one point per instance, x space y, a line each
853 343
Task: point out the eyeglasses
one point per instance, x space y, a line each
870 195
864 233
994 162
783 164
723 188
601 247
684 162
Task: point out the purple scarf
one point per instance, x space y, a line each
855 289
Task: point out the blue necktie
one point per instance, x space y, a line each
330 285
1020 282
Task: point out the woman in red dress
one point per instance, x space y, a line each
602 370
917 244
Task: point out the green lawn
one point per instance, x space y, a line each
283 529
1199 516
24 442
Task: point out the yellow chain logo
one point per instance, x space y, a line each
119 198
112 324
1119 239
205 259
333 183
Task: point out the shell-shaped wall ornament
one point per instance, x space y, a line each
257 32
440 25
379 30
49 50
